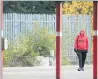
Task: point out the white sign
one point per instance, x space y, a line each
51 52
5 44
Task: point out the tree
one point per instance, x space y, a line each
43 43
78 7
34 43
29 7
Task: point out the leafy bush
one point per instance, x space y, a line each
34 43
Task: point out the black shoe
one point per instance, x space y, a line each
82 69
79 69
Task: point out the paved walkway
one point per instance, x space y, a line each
68 72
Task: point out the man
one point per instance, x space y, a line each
81 48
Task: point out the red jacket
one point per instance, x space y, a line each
81 41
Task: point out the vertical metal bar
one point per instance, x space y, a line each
58 39
1 35
95 38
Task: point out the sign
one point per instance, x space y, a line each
51 52
5 44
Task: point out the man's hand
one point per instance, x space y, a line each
75 50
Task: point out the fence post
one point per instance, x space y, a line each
95 39
1 36
58 39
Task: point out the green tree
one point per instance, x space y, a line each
69 7
43 43
34 43
29 7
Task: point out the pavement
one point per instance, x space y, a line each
47 72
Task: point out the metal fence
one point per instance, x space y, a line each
71 28
15 25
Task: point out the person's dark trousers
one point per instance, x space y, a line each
81 56
84 54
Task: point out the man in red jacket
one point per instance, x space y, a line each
81 48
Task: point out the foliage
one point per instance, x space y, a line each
21 54
69 7
78 7
42 41
29 7
24 51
